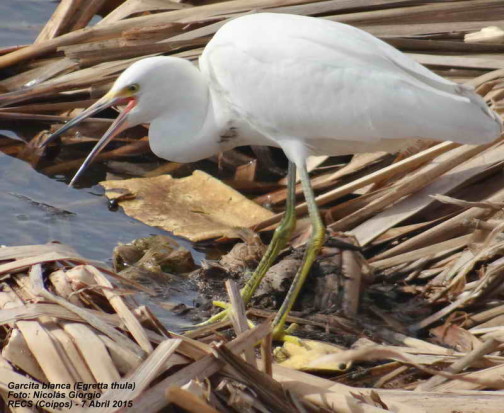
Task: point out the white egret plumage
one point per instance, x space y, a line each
309 86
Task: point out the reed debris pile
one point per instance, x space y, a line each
419 310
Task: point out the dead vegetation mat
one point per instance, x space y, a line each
412 318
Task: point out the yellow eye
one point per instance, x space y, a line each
133 88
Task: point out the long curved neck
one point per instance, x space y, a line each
186 130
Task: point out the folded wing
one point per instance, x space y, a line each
311 78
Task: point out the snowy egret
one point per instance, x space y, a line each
307 85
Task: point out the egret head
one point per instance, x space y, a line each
140 89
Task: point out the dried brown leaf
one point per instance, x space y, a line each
197 207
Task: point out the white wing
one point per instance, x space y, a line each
294 76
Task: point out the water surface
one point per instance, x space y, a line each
35 209
22 20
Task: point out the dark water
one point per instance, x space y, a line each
35 209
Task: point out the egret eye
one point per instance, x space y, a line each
133 88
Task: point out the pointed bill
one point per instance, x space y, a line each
120 124
98 106
117 126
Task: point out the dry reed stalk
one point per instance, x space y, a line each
432 251
115 28
479 318
444 12
59 21
38 288
188 401
94 352
458 366
491 373
398 168
267 390
358 162
400 401
351 269
122 310
239 318
135 147
51 107
481 287
131 7
154 398
456 166
35 76
267 355
143 375
69 67
17 353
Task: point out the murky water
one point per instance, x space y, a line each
35 209
22 20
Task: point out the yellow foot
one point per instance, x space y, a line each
279 334
221 304
221 316
285 335
312 355
216 317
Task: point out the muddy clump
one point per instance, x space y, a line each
323 292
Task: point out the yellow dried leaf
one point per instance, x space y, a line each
197 207
302 357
